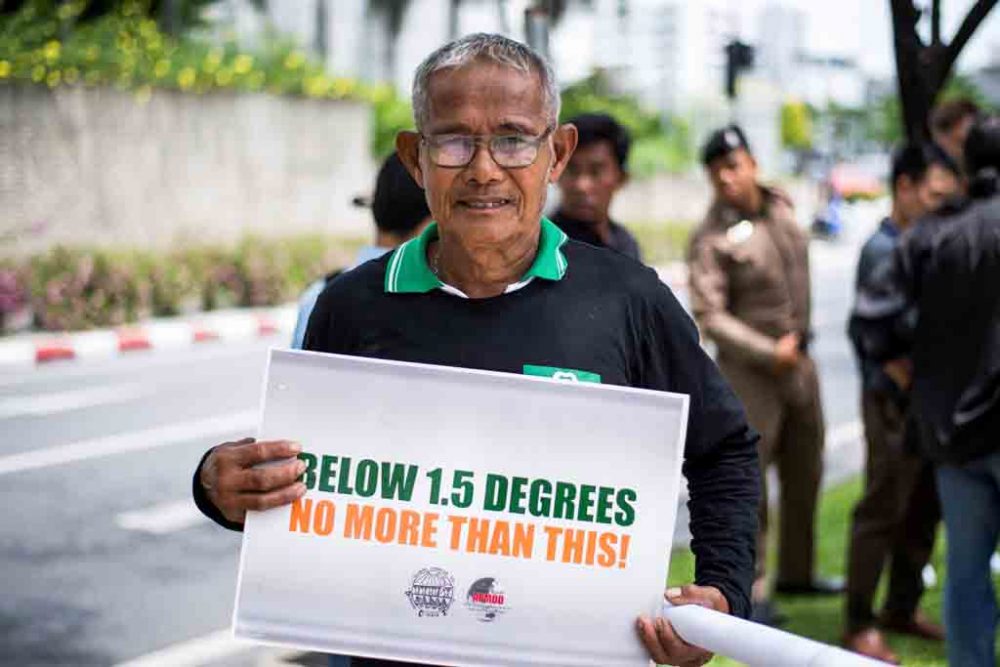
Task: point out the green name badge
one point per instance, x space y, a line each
568 374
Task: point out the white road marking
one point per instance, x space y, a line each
163 518
198 651
74 399
150 438
137 364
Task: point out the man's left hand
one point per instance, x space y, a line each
663 643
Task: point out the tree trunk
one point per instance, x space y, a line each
922 69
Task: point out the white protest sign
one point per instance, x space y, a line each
462 517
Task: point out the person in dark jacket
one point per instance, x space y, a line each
947 271
896 519
596 171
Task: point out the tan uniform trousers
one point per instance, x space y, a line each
787 412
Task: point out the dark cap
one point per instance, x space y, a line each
724 141
398 204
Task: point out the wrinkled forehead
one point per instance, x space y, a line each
485 96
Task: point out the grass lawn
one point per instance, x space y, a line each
822 618
662 242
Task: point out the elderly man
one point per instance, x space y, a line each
749 267
494 285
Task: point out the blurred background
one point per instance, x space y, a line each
175 172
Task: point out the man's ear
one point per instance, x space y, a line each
408 149
563 144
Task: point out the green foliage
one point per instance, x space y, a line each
71 288
796 126
391 114
822 618
49 43
884 118
662 241
657 145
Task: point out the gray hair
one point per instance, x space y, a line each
490 48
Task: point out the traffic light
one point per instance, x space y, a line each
739 57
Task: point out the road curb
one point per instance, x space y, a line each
30 350
238 324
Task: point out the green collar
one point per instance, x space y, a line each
408 271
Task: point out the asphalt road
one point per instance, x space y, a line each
104 557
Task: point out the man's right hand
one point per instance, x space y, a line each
234 485
787 353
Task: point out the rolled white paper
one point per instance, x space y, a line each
754 644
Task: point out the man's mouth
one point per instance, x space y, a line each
486 204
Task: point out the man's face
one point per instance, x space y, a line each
590 181
953 141
734 178
483 205
916 199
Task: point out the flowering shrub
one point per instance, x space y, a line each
75 289
83 288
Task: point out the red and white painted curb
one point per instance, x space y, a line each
174 333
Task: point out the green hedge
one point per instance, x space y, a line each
48 43
74 288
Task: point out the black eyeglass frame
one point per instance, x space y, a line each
535 143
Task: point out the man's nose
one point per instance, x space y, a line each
580 183
483 168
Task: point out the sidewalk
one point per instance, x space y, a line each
235 324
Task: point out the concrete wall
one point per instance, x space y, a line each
686 199
96 165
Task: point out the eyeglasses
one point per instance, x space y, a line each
510 151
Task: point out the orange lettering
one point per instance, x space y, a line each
299 519
429 531
323 520
358 525
524 540
456 531
408 525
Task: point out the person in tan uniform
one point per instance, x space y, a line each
749 288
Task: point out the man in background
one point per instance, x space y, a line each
947 269
596 171
400 211
750 293
950 124
897 516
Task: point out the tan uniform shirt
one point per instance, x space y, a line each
749 279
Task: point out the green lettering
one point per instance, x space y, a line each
344 479
398 480
309 476
564 504
326 472
604 504
366 478
539 498
626 513
517 494
496 493
586 502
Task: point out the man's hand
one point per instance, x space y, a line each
234 485
659 638
786 353
900 371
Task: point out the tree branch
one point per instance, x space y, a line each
936 22
965 31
